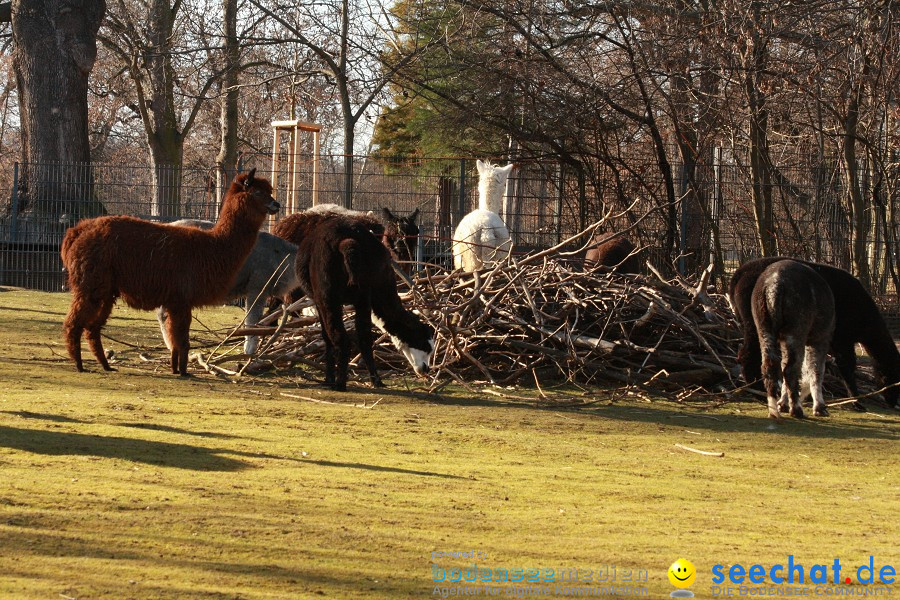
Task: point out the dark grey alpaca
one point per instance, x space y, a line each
257 280
793 308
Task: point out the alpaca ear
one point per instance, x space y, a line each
482 165
507 168
412 217
249 180
387 214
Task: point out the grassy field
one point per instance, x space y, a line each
139 484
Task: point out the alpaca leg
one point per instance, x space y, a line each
845 356
771 371
750 356
179 335
814 373
254 314
82 314
333 328
791 368
329 350
93 335
73 328
163 317
364 338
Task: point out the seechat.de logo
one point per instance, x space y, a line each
794 572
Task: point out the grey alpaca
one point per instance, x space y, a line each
256 281
793 308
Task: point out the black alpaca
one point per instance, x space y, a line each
401 235
793 310
340 261
857 321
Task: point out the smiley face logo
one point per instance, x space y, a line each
682 573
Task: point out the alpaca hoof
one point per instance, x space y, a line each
858 407
378 384
774 414
821 412
797 412
109 368
339 387
782 407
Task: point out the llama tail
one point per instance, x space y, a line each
353 260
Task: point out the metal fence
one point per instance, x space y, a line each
546 202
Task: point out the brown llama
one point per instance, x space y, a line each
612 253
150 264
793 309
340 261
857 321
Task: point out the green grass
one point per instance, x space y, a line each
140 484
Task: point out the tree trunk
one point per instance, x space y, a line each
164 135
759 146
349 126
857 202
54 51
166 157
228 121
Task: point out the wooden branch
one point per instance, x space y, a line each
703 452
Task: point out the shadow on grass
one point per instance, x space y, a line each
346 465
56 443
31 546
24 414
814 427
179 430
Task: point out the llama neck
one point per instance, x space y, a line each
390 316
881 347
490 196
237 227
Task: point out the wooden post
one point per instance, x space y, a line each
293 129
273 218
315 168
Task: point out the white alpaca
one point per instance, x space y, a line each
482 237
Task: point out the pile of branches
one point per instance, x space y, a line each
542 319
539 318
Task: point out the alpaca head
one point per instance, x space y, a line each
401 233
418 349
417 343
257 191
491 184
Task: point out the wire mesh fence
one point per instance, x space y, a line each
713 219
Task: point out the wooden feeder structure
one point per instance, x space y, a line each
294 129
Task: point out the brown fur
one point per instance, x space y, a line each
149 264
613 254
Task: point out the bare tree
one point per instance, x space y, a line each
53 54
348 49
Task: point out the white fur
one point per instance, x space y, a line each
335 209
418 359
481 236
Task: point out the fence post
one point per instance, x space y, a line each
420 253
682 238
461 209
14 224
559 200
582 199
